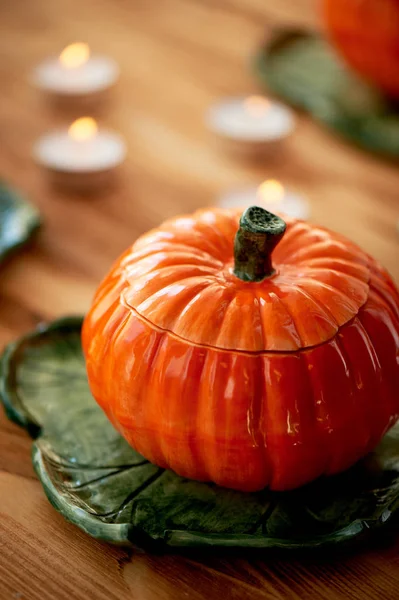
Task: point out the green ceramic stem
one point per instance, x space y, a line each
259 233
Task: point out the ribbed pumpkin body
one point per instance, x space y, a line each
246 384
366 32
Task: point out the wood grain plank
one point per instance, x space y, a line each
42 557
176 57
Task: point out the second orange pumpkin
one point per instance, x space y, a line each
366 33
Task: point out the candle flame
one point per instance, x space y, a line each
270 192
75 55
83 129
256 106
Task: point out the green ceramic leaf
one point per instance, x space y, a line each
18 220
98 482
304 69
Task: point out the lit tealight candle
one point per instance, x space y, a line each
76 74
271 195
81 153
251 125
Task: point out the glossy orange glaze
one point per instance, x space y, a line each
245 384
179 277
366 32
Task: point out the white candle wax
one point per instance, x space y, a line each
76 73
81 149
270 195
254 119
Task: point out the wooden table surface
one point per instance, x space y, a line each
176 57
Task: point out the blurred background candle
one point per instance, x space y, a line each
82 155
252 125
270 194
76 76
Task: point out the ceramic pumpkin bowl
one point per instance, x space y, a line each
246 351
366 33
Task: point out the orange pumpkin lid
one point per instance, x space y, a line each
208 279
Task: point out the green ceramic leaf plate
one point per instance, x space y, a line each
18 220
98 482
303 69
